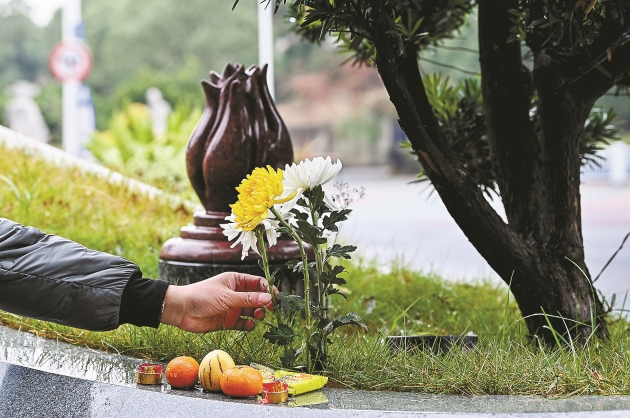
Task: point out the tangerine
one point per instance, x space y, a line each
181 372
241 382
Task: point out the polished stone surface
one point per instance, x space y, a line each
42 377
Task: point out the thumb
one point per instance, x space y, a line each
250 299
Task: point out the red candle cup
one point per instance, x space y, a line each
149 374
276 391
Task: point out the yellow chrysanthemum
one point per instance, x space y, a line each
258 192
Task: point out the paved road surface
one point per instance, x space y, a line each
398 221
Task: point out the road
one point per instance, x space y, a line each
399 222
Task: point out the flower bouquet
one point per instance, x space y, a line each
292 202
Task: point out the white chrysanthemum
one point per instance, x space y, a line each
309 174
248 239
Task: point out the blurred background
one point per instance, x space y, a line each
150 55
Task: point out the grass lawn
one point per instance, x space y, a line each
111 218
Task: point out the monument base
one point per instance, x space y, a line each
203 251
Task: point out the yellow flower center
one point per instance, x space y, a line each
258 192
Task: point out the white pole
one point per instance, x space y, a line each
71 31
265 41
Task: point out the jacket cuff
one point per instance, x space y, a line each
141 302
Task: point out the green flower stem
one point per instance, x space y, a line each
307 287
265 259
318 263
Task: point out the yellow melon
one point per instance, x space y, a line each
211 369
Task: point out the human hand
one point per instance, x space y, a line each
220 302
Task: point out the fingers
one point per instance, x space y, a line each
249 283
259 313
250 299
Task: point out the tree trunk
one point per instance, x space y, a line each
536 250
539 179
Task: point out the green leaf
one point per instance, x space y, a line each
291 303
417 26
323 323
315 197
310 234
299 214
329 275
294 265
330 221
339 281
356 41
340 251
281 335
602 70
333 291
317 345
325 27
288 357
314 16
350 318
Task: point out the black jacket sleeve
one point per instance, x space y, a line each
54 279
141 303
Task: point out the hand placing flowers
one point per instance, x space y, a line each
272 202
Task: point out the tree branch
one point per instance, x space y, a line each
410 71
609 69
506 86
460 194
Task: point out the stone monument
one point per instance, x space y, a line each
159 110
22 114
240 129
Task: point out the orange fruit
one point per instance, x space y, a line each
241 382
181 372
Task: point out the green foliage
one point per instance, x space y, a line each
598 131
350 22
25 47
180 86
141 43
399 301
87 209
568 26
281 335
459 111
129 146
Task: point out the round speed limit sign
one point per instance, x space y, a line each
70 61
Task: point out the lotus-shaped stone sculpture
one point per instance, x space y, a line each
240 129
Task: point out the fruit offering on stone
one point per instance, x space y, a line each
212 367
241 382
181 372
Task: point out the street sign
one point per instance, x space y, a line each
70 61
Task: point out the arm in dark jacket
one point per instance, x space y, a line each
54 279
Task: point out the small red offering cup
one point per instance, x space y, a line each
275 391
149 374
